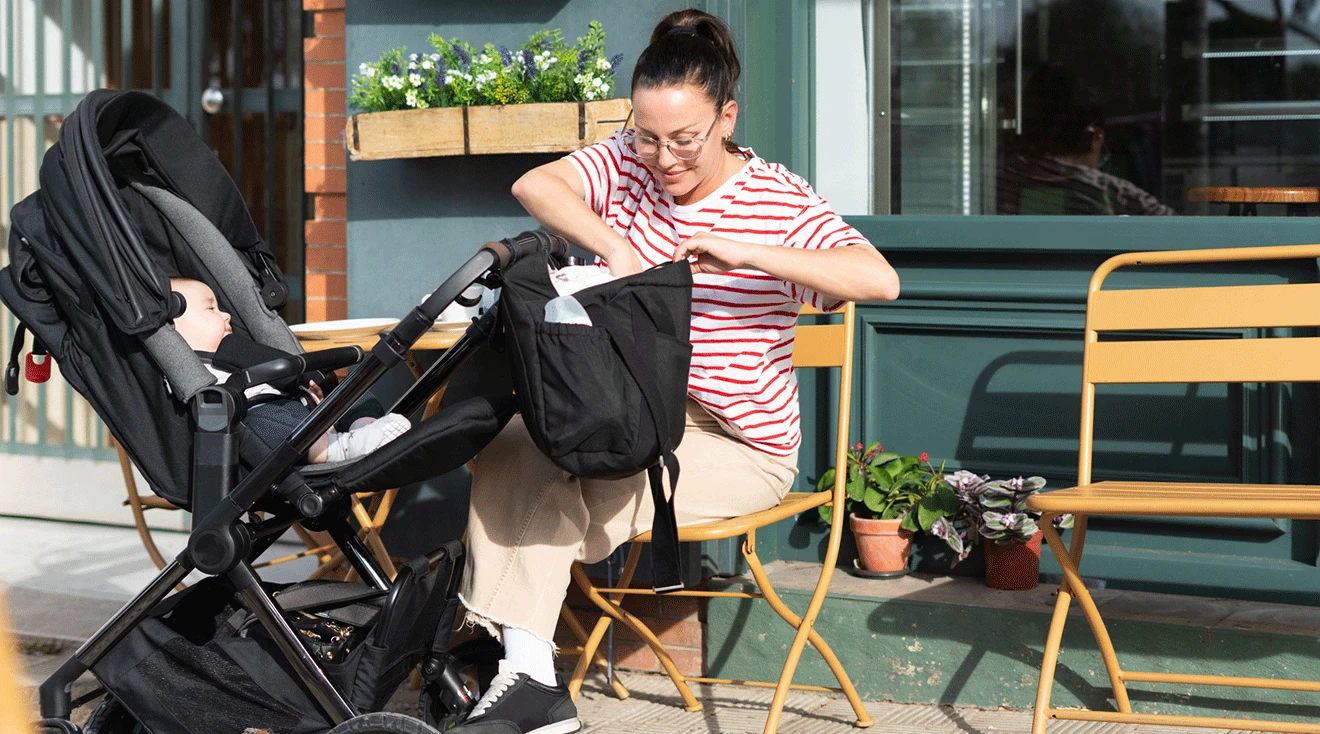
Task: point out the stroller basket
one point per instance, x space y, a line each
201 664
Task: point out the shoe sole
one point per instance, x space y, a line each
567 726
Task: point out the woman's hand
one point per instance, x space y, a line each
715 254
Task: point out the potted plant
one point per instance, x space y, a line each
544 97
996 511
890 497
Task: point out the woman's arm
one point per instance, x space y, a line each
553 194
850 273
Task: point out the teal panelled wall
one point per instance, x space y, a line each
979 363
413 222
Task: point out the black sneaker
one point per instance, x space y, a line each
517 704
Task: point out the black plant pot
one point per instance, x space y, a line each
932 555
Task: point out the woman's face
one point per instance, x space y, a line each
682 112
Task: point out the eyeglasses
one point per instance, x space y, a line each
684 149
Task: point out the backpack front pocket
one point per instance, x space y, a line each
590 403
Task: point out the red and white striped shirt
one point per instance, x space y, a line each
742 320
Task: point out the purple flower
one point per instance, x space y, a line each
615 60
545 43
464 58
583 56
506 56
529 64
395 69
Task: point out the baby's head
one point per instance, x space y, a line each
202 323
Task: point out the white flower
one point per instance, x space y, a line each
590 95
435 57
413 99
392 82
580 79
416 79
412 57
427 64
483 59
603 64
362 68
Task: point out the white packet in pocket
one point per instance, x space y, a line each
566 310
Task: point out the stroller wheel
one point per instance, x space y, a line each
476 662
111 717
383 722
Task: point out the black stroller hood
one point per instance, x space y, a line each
132 136
130 196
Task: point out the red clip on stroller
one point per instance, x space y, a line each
129 197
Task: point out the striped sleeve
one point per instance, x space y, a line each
817 227
599 166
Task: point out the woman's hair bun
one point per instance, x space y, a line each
689 46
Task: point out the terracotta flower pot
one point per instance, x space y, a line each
882 546
1013 566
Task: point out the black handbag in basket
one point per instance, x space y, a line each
608 400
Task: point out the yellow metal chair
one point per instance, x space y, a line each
820 345
1120 360
14 713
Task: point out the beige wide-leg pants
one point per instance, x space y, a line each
529 520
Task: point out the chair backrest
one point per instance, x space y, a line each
1127 359
831 345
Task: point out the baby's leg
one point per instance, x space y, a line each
319 452
365 439
360 422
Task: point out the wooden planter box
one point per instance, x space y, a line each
558 127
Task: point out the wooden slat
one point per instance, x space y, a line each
1254 194
823 345
1203 360
793 504
1178 499
1249 306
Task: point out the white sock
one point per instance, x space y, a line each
527 653
365 439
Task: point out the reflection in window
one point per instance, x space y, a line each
1100 106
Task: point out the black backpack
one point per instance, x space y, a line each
608 400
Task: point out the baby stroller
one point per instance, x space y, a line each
129 197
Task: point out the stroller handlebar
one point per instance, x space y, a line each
512 249
294 365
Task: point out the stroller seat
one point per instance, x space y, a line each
130 197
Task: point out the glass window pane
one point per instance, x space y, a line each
1129 107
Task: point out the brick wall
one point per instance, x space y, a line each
326 230
679 622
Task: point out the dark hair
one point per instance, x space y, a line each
691 47
1057 109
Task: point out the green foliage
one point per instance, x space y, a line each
455 74
888 486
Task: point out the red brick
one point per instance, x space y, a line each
324 101
331 232
323 5
327 285
326 309
323 75
329 23
688 634
324 128
325 155
323 49
331 259
325 181
329 206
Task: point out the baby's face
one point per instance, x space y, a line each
203 324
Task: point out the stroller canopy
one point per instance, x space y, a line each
130 196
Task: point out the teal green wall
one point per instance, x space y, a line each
413 222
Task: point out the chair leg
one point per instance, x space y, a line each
1045 686
371 534
622 615
1074 579
777 604
580 671
591 643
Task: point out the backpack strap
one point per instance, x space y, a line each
666 567
15 351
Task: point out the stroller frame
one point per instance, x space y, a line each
223 543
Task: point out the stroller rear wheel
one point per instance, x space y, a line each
383 722
476 662
111 717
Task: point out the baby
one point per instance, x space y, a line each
204 326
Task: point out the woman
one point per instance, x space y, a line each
761 243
